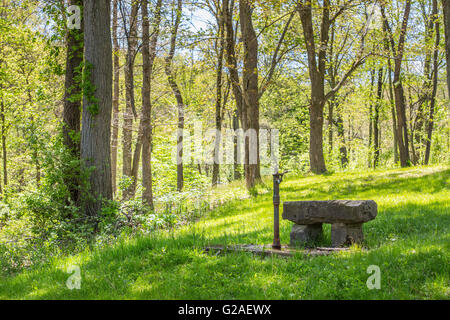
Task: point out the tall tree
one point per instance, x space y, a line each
116 97
130 111
391 94
335 59
418 121
430 122
220 44
446 9
317 62
400 103
148 56
250 93
231 60
72 98
97 103
176 92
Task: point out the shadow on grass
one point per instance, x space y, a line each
409 241
146 271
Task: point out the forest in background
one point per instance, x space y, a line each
89 117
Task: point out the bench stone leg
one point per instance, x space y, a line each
302 234
345 234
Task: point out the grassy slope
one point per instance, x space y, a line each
409 241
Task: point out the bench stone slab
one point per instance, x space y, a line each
332 211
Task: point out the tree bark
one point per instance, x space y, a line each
129 113
317 78
4 152
235 84
332 70
237 149
331 104
148 56
376 117
221 48
72 100
177 93
430 121
116 97
334 106
250 93
402 128
446 9
424 97
394 119
97 103
341 137
372 75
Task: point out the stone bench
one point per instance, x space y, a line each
345 216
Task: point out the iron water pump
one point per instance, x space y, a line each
277 179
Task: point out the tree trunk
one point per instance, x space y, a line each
372 75
317 78
334 107
402 128
128 115
72 100
331 104
250 93
235 84
394 119
218 138
341 138
237 149
332 70
391 92
417 126
446 9
430 122
4 152
376 127
116 97
97 103
316 136
148 56
176 91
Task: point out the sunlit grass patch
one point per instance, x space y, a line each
408 241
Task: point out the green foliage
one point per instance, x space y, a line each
89 89
39 221
289 114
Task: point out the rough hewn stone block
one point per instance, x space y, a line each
346 234
332 211
302 234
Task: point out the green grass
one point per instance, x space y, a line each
409 241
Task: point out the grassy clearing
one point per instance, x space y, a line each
409 241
